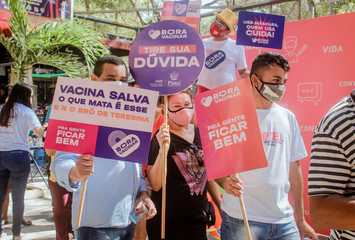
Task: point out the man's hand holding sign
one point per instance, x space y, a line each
84 168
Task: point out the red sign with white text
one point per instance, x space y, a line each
229 130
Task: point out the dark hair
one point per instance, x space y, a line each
20 93
110 59
187 91
269 59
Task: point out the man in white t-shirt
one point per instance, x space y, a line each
266 190
223 56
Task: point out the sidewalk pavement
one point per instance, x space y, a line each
39 210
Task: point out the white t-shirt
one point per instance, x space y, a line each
266 190
15 136
223 58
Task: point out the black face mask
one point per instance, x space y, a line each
273 92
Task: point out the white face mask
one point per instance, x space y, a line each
273 92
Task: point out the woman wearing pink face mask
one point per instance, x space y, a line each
187 209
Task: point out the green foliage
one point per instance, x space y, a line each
68 46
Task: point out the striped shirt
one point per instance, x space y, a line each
332 169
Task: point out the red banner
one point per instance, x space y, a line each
321 54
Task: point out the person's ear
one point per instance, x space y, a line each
254 81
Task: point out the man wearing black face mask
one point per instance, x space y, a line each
223 56
266 190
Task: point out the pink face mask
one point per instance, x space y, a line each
181 117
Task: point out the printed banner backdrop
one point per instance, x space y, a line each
186 11
230 132
102 119
3 4
260 30
321 54
167 57
47 8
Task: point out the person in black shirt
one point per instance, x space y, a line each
186 197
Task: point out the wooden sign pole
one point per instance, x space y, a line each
165 170
82 201
245 217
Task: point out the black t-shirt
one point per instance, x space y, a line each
186 196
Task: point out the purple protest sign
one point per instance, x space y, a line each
260 30
167 57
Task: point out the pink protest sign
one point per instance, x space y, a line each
229 129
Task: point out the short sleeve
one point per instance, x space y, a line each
298 149
329 170
241 62
61 167
31 120
154 151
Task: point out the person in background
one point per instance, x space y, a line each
223 57
16 120
331 179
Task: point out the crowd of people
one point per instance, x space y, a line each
123 199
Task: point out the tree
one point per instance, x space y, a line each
68 46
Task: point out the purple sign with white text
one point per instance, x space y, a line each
167 56
260 30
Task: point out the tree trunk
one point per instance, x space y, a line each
13 78
87 5
27 78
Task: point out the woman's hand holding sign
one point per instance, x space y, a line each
163 136
232 185
84 167
155 177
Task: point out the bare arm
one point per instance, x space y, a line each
296 181
155 175
216 195
39 131
155 172
333 211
